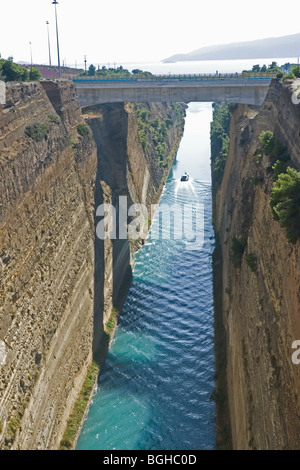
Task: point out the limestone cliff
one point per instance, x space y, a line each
58 282
257 301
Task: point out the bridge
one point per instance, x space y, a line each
234 88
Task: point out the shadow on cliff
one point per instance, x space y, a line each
110 128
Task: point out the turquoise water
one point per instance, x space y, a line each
154 390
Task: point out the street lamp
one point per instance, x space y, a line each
30 53
47 23
59 71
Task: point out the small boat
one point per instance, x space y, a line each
185 177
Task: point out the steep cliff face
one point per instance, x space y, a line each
58 281
47 259
259 299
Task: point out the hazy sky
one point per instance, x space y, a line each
135 30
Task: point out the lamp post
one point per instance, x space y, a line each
47 23
30 53
59 70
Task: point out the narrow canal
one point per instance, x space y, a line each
154 391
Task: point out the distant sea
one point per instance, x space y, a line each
197 67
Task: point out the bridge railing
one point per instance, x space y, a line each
223 76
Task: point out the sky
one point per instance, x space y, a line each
120 31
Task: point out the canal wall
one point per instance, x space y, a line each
257 278
60 284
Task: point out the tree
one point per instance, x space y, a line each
273 66
92 70
296 71
34 74
264 68
285 203
13 72
256 68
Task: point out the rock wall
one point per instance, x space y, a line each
258 308
58 282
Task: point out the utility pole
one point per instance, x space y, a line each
85 63
59 70
47 23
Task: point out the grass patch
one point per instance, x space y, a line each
111 322
54 118
13 426
79 410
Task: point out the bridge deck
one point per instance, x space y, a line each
234 88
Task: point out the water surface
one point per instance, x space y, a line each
154 390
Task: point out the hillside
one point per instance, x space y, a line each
284 46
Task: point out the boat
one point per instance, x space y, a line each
185 177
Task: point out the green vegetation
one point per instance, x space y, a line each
285 203
12 72
237 249
251 260
285 193
34 74
54 118
271 145
111 322
275 150
156 131
13 426
92 70
293 73
286 71
83 130
115 73
279 167
37 131
72 141
273 68
79 410
219 138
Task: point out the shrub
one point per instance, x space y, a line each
285 203
83 130
279 167
270 144
296 71
34 74
37 131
